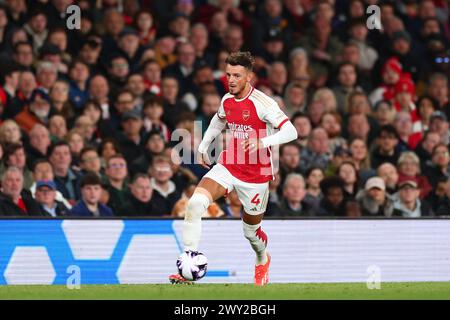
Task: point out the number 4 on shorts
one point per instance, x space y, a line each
255 199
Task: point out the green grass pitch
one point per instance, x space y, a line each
288 291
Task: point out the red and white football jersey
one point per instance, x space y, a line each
255 116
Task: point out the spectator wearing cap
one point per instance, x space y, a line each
46 197
130 47
165 193
131 140
91 192
405 95
391 71
439 124
15 200
273 48
154 144
408 204
333 202
408 165
440 164
386 147
43 170
374 200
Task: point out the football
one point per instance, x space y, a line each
192 265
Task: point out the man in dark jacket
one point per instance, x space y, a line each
140 202
46 197
91 192
14 200
294 192
333 202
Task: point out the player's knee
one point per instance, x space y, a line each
197 205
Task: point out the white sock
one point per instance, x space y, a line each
192 226
258 240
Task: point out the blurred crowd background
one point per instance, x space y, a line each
87 115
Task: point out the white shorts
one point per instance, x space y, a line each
253 196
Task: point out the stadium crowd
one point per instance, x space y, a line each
89 117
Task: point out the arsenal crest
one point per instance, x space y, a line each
245 114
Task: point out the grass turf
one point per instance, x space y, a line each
290 291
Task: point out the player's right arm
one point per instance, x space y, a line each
215 128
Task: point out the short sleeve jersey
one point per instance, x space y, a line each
254 116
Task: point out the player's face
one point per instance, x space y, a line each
238 77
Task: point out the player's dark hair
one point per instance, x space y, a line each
241 58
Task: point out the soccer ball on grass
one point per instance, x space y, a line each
192 265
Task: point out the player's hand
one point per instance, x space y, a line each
202 159
251 145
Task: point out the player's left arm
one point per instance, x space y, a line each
275 116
